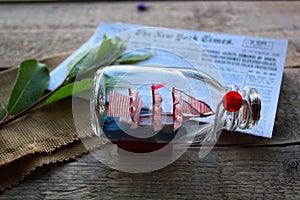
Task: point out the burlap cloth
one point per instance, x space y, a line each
47 135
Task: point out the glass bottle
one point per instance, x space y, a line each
163 104
159 107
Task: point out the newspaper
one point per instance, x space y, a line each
241 60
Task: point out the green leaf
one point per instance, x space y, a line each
3 112
98 56
109 51
32 80
69 90
80 62
134 58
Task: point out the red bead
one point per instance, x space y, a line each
232 101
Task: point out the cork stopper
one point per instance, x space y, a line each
248 115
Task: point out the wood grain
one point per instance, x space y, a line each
36 30
226 173
240 167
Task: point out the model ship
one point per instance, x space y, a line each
129 110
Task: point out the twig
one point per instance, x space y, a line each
8 119
5 117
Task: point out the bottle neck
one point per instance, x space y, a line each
249 114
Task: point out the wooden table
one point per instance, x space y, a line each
239 166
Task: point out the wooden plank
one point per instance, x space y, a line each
268 170
233 173
27 30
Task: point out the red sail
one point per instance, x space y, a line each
177 109
118 105
196 107
157 108
135 107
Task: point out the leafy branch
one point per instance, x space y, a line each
30 88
